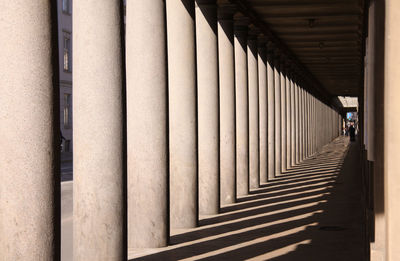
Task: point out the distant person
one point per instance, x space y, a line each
62 138
352 132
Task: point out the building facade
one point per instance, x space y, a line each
65 70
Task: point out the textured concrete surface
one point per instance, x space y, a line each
146 124
182 112
278 119
283 117
271 115
207 108
98 136
28 182
263 110
242 112
312 212
226 108
391 129
252 79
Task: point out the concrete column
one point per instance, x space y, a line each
308 124
288 122
29 150
271 113
371 83
99 165
314 125
323 125
305 124
301 125
242 111
309 117
305 120
331 123
297 126
227 145
293 123
263 110
182 113
147 124
378 247
252 76
283 117
310 104
207 108
305 130
320 124
326 124
278 119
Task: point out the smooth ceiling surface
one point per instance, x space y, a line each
325 35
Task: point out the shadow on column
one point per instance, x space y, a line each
298 216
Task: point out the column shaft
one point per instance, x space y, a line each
227 111
182 113
99 170
263 113
253 113
283 119
242 113
288 123
308 124
278 126
304 109
297 127
271 117
301 125
293 123
207 100
29 151
146 124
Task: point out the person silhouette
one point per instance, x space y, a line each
352 132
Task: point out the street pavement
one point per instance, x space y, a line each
66 206
66 220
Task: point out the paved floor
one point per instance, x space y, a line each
312 212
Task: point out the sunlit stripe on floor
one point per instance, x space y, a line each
270 204
270 198
137 253
293 183
255 241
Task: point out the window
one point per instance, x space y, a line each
65 6
67 111
67 52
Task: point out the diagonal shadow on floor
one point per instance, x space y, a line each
304 214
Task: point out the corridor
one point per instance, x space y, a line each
199 130
311 212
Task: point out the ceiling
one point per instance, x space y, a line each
326 36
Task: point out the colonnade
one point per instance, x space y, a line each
213 109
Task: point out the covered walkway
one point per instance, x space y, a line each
311 212
202 129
